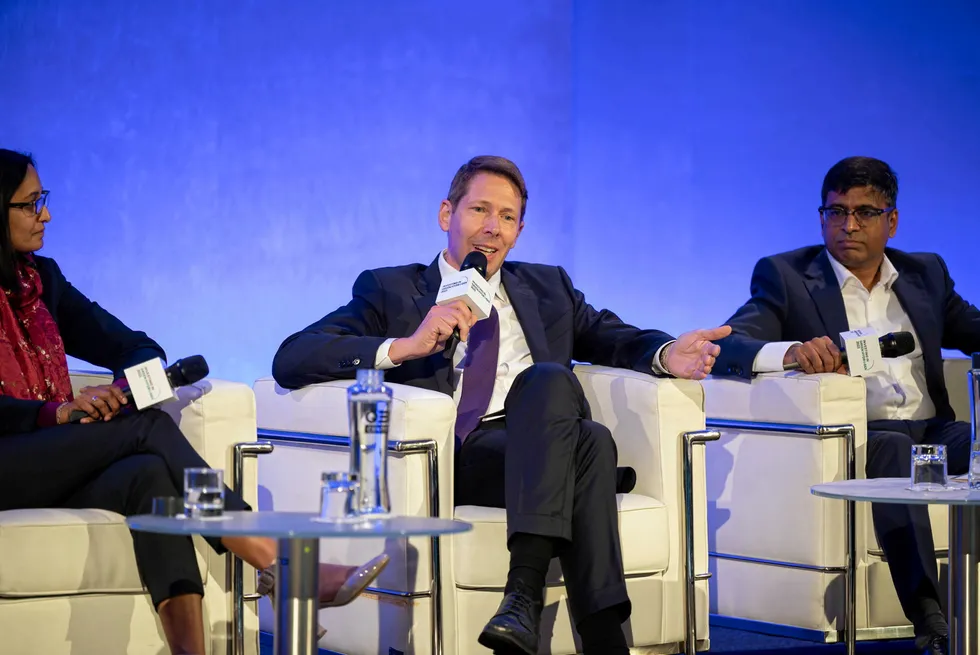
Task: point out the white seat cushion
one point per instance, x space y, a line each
53 552
481 559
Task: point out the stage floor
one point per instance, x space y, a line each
735 642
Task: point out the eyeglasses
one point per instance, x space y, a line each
36 205
865 216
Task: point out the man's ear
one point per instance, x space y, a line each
445 214
520 228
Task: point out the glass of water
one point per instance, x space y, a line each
338 496
928 467
204 492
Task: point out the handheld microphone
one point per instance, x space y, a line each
470 286
893 344
149 384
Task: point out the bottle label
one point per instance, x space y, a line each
374 418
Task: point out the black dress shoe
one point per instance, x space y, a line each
514 628
934 645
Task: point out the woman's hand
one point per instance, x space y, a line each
100 403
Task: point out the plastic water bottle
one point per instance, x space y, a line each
369 413
973 379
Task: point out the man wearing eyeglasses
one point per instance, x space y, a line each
802 300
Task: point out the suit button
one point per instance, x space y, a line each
731 369
356 361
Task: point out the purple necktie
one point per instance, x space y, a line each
479 374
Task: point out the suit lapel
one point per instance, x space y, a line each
439 367
428 286
915 301
527 305
822 284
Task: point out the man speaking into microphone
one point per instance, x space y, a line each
524 435
803 301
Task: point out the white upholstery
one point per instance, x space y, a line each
647 417
68 578
760 506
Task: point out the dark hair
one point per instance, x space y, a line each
487 164
855 172
13 170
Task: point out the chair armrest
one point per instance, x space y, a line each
759 482
321 409
214 415
955 370
824 399
647 417
81 379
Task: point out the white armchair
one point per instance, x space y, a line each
779 555
68 578
437 594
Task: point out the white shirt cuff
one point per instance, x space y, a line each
381 361
769 359
655 365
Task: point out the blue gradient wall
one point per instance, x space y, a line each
220 171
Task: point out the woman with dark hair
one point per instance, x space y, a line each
112 460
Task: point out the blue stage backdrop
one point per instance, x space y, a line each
221 171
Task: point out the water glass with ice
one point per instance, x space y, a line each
204 492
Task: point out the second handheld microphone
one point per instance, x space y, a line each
181 373
893 344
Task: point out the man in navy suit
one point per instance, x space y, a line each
524 436
802 300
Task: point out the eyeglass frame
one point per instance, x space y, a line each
862 221
38 205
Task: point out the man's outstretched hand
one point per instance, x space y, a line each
693 354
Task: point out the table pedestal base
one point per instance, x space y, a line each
297 597
964 548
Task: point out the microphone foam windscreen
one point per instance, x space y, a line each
475 260
188 371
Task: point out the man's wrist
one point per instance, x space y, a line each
790 355
664 352
400 350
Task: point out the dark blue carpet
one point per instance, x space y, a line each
726 640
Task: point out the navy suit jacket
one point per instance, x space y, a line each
796 297
89 332
558 323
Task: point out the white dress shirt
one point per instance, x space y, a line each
898 392
514 356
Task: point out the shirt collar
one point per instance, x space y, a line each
888 273
446 269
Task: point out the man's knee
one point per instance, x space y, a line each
547 380
889 454
547 373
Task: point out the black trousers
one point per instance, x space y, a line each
554 470
120 466
904 531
